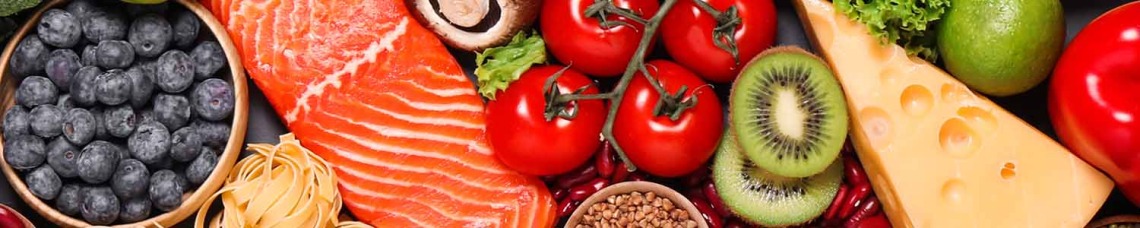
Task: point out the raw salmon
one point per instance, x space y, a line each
378 96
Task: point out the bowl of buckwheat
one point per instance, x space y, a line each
636 203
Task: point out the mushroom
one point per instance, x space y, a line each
475 25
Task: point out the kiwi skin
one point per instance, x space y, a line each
764 143
761 198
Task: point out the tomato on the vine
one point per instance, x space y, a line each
523 139
657 143
688 35
585 44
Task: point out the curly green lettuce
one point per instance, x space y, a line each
499 66
9 7
908 23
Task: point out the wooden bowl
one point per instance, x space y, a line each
641 186
27 224
191 201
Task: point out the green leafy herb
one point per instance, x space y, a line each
499 66
9 7
906 22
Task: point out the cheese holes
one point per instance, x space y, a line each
957 139
916 100
1008 171
876 123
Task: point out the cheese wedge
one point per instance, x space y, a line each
939 155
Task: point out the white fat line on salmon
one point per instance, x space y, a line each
364 160
452 92
457 77
458 106
369 56
395 132
370 208
384 147
351 187
443 122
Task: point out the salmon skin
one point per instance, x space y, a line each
378 96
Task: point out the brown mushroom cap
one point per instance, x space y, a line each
475 25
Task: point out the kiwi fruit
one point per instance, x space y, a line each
766 199
789 112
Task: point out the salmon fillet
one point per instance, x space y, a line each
367 88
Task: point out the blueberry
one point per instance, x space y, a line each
213 99
83 86
47 120
185 25
114 54
62 156
82 9
35 91
100 123
145 115
24 152
150 143
90 53
215 134
79 127
44 183
135 10
17 121
100 206
29 57
210 59
147 66
97 162
135 209
59 28
174 71
150 35
61 65
120 121
65 102
70 199
142 88
165 163
200 168
113 87
131 179
171 110
104 25
185 144
166 189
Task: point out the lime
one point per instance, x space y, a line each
1002 47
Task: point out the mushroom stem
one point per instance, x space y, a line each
466 13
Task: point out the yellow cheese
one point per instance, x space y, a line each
939 155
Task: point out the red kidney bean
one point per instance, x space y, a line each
869 208
560 194
715 201
549 179
854 172
581 192
620 173
604 160
707 211
848 148
637 177
877 221
735 223
836 203
577 177
566 207
854 197
695 179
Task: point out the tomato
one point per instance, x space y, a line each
687 32
523 140
658 144
582 43
1093 101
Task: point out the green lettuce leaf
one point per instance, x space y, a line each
499 66
9 7
908 23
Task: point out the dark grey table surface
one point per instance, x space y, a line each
265 126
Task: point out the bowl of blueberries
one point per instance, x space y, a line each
119 114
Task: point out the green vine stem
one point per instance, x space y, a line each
724 34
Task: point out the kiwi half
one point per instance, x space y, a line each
762 198
789 112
